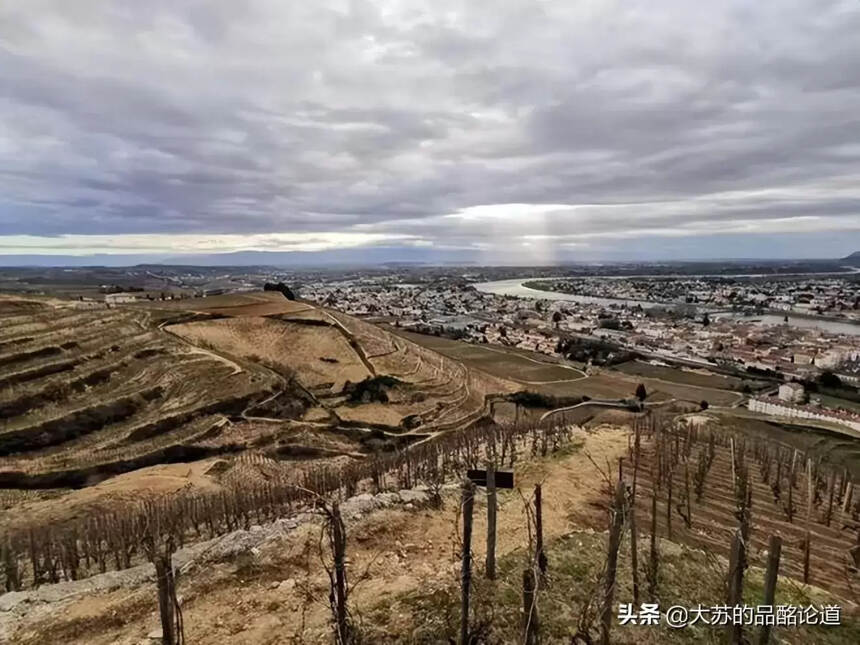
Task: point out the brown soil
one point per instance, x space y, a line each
254 303
122 489
294 346
121 390
398 549
714 518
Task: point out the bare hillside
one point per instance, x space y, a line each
97 402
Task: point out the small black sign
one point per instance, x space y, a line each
504 478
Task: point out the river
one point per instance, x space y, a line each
515 287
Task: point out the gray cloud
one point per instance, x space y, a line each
659 119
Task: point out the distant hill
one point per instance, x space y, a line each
853 259
352 256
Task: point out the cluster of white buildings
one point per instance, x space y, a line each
776 406
121 298
792 351
791 402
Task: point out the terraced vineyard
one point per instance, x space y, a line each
705 462
88 393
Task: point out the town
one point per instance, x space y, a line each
768 330
363 321
831 296
614 322
459 309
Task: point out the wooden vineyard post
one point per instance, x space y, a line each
735 583
491 521
530 609
634 554
830 498
843 482
770 579
615 532
160 552
653 556
338 536
790 511
540 557
669 502
689 518
163 575
467 504
738 559
734 476
778 480
806 541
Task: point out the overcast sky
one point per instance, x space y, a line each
519 131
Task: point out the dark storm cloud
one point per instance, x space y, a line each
444 122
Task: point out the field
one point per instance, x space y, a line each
95 397
604 385
546 375
237 304
837 402
319 355
88 393
682 375
692 393
528 368
836 444
84 390
714 515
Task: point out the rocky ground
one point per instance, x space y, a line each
269 584
240 583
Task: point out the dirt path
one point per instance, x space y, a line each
606 404
352 341
237 369
262 599
194 349
564 380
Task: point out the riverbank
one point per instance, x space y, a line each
520 288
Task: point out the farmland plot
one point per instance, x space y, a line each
789 492
91 394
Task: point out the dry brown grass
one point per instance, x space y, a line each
256 303
202 382
298 347
404 551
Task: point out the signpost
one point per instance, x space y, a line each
504 478
491 479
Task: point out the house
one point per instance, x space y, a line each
802 358
792 393
828 360
769 405
120 298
